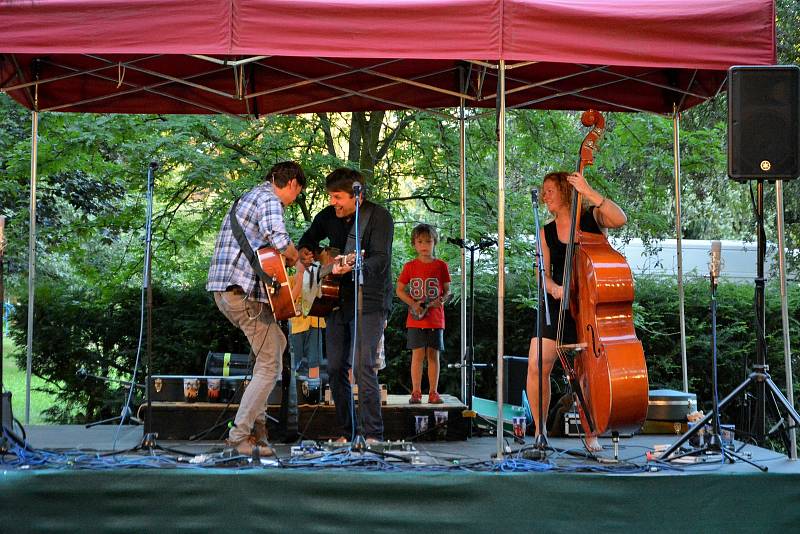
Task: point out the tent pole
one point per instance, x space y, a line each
501 237
31 257
676 154
787 349
462 163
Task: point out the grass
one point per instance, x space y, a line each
14 381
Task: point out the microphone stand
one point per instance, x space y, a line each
149 438
714 443
469 360
715 439
540 441
126 413
358 441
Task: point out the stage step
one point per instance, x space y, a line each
182 420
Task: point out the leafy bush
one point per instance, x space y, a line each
83 327
98 331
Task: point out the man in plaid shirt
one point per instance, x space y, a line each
242 299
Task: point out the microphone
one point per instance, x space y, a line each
154 165
716 260
457 241
356 188
535 196
2 235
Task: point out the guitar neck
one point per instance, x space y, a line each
327 269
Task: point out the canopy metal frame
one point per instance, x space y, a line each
465 81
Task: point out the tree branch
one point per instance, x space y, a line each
389 141
325 122
357 126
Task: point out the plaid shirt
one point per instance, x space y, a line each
260 214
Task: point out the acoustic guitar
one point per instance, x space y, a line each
280 291
320 293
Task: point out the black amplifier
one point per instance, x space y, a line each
227 364
199 388
224 389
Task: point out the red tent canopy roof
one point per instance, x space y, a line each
248 57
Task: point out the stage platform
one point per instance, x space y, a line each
184 420
441 486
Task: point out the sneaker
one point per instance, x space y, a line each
416 397
248 447
434 398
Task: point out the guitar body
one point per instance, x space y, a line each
320 293
280 300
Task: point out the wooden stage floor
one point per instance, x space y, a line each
566 451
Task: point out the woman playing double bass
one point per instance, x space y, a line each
597 215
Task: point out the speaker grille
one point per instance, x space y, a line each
763 122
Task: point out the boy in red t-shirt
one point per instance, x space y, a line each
423 285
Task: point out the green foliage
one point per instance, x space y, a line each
658 327
99 332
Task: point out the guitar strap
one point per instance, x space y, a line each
363 221
247 250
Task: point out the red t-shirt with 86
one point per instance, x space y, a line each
425 281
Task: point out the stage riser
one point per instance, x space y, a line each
181 420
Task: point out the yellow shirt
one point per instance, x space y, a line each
301 324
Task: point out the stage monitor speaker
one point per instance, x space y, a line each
764 122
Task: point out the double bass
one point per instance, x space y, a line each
609 377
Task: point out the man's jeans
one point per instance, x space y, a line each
339 332
267 342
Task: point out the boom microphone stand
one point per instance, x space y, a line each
126 414
469 359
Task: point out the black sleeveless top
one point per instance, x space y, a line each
558 250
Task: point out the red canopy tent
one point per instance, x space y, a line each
256 57
248 57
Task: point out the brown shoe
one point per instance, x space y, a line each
260 435
248 447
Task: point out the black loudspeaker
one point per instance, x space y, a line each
764 122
